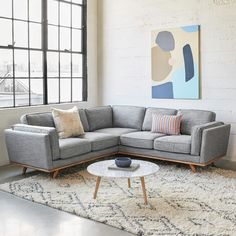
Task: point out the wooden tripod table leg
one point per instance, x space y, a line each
98 180
129 184
144 190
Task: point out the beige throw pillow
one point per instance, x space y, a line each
67 122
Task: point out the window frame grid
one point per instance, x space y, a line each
44 49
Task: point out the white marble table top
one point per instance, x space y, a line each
101 169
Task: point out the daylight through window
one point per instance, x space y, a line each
42 52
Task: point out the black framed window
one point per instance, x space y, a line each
42 52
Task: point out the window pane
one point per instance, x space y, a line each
35 13
22 91
21 63
35 35
20 34
6 93
78 1
53 37
36 94
6 8
53 90
76 16
6 63
29 84
77 90
76 40
65 9
52 63
65 39
53 12
6 32
20 9
65 65
65 90
36 64
77 65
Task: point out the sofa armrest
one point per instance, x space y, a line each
214 143
51 131
196 136
29 148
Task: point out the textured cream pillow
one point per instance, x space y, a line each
67 122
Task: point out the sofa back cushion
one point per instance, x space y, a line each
128 116
84 120
46 119
191 118
38 119
99 117
147 123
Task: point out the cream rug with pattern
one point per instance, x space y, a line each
180 202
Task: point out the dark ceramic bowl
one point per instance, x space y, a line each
123 162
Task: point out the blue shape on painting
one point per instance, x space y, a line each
163 91
191 28
188 62
165 40
183 89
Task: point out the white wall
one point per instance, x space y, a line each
124 65
12 116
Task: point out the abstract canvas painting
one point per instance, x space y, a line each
175 63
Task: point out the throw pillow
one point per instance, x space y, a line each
167 124
67 122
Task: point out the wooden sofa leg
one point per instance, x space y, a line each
55 174
193 168
24 171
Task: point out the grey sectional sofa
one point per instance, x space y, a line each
116 130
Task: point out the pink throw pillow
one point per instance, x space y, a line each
166 124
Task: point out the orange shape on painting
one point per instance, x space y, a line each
160 64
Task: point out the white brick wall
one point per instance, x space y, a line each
124 63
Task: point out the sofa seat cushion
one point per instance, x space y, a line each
100 141
116 131
174 143
141 139
71 147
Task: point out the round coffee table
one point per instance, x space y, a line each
100 169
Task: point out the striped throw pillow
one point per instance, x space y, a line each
166 124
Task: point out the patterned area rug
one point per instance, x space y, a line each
180 202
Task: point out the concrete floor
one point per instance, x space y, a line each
20 217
